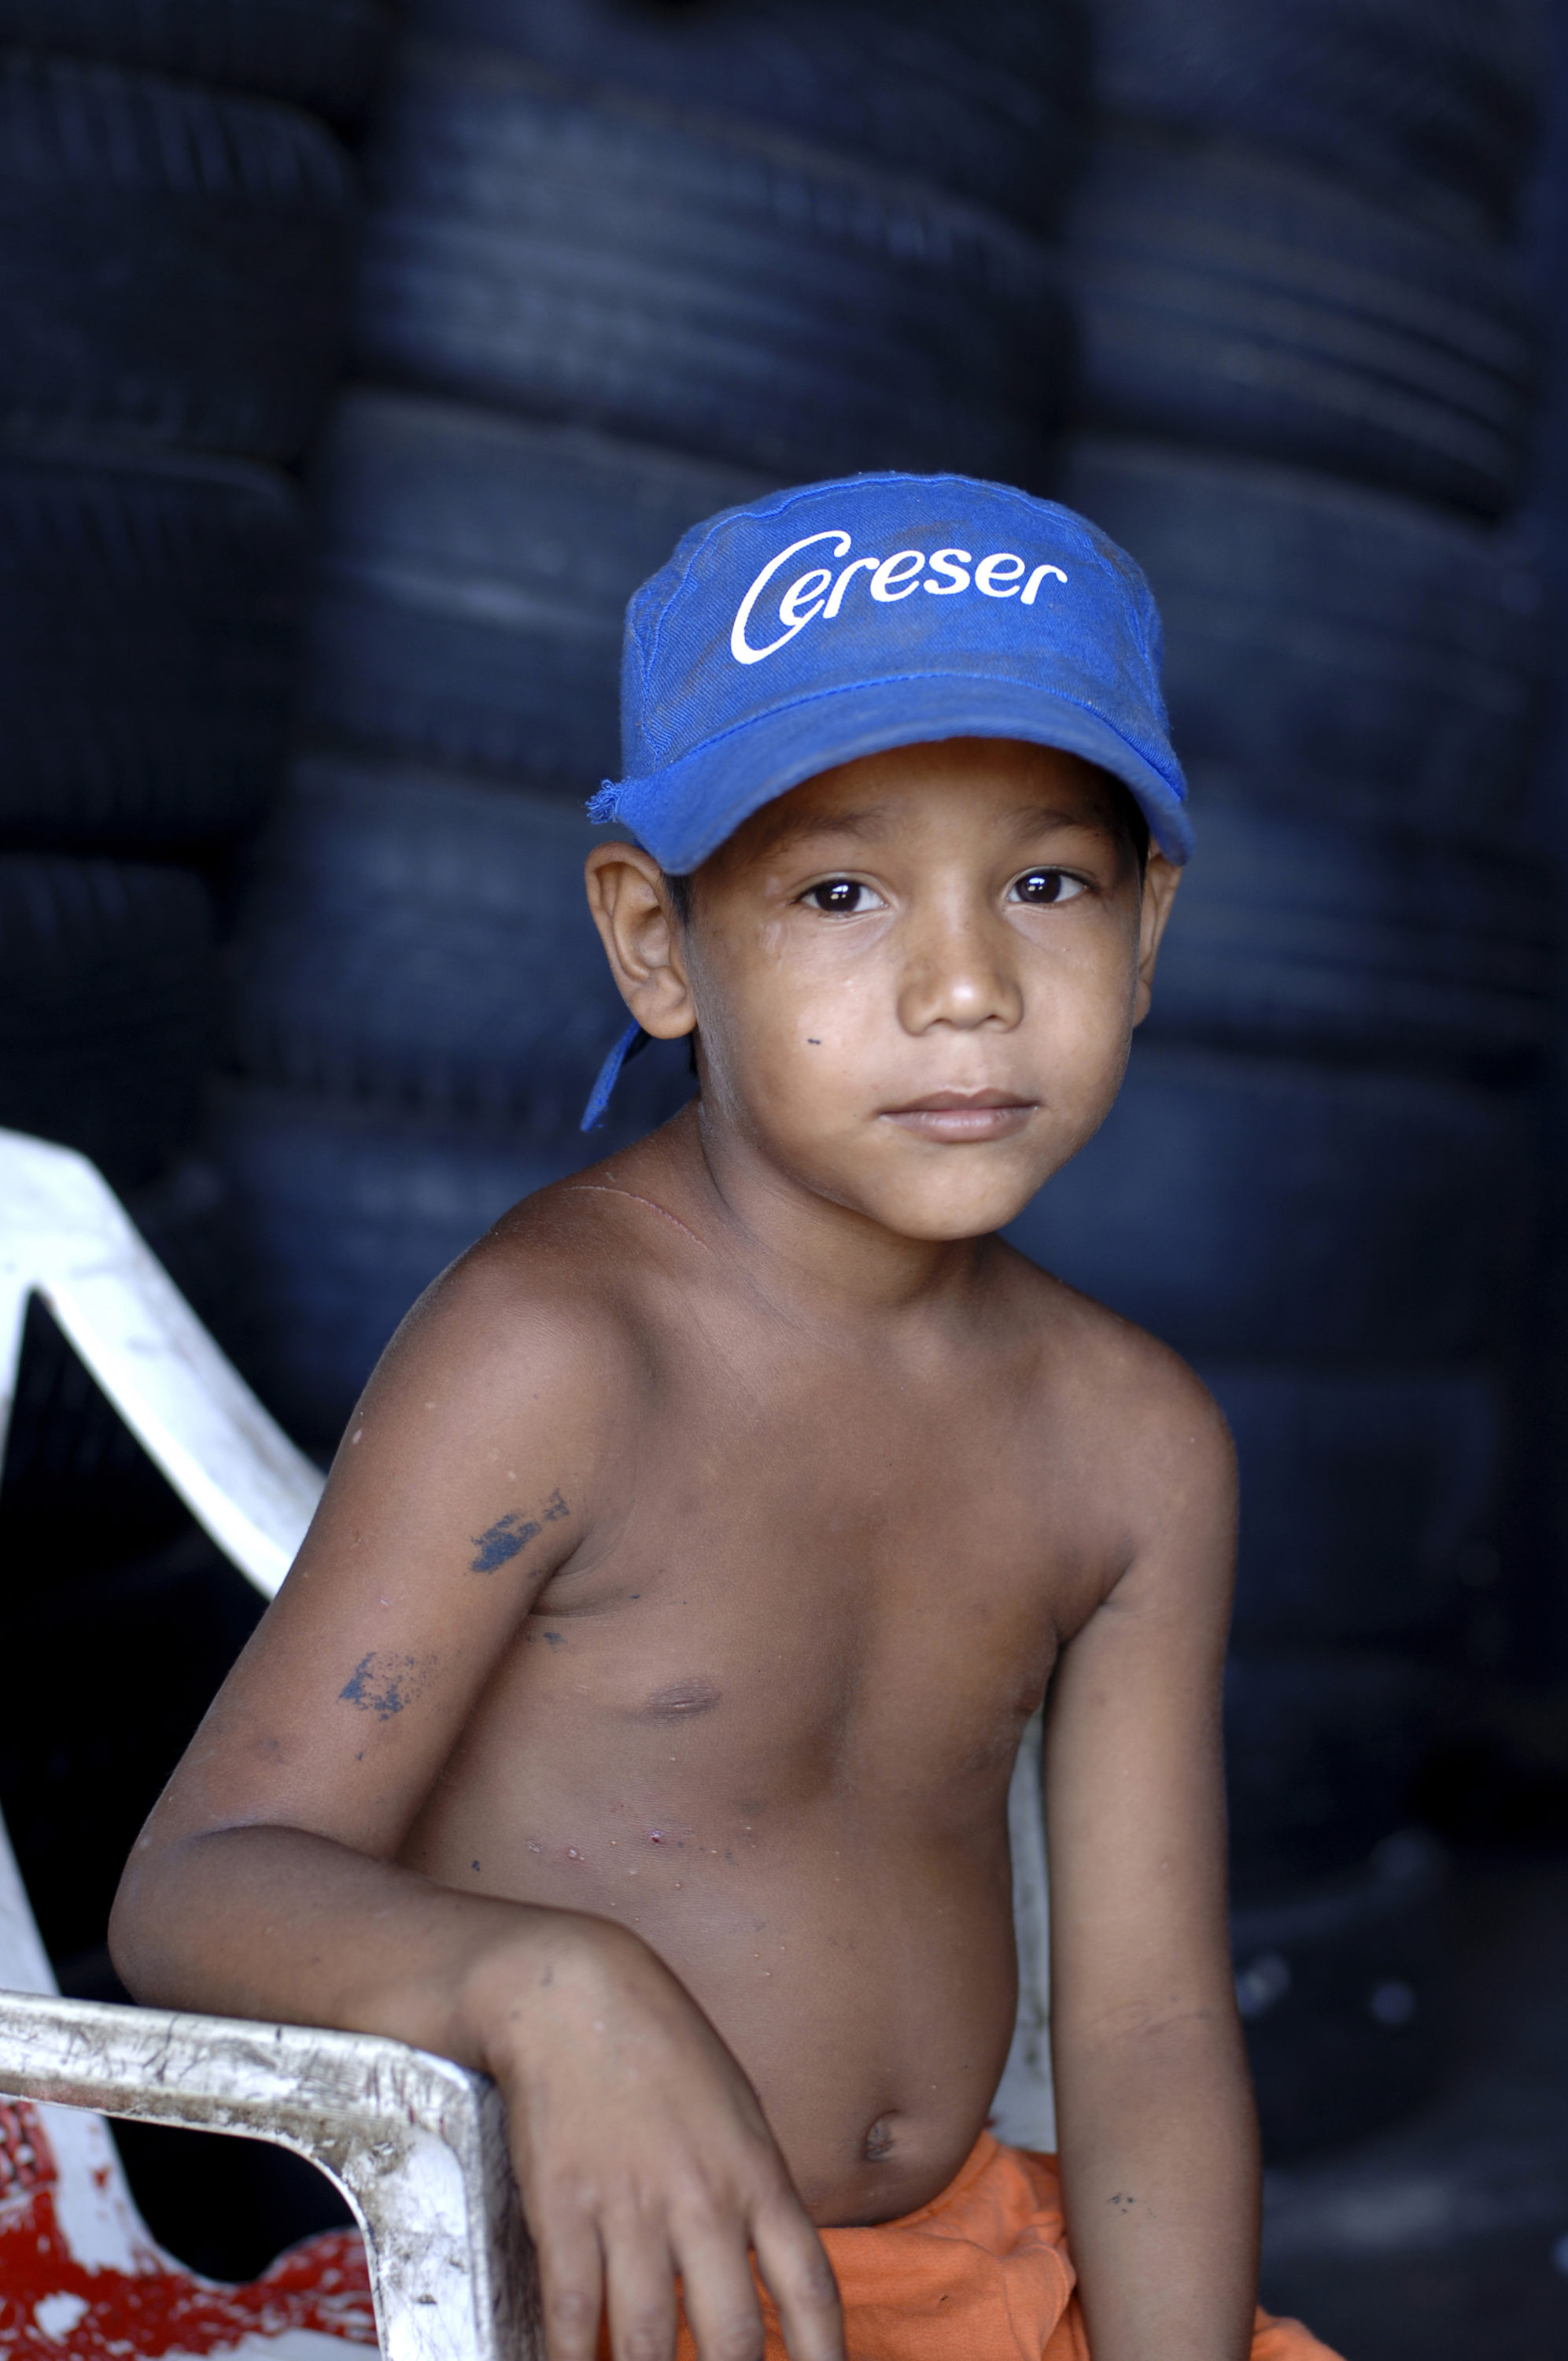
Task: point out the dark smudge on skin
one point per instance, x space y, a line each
501 1541
382 1683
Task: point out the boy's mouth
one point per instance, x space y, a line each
960 1117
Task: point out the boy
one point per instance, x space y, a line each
637 1722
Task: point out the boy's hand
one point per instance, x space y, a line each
643 2156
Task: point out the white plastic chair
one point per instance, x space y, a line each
416 2143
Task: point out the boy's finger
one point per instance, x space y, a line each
571 2278
798 2276
719 2293
639 2274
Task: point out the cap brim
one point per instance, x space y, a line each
683 813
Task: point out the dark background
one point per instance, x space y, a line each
352 374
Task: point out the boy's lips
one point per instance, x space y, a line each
960 1116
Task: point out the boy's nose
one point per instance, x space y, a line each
959 971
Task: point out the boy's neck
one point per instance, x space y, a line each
800 1247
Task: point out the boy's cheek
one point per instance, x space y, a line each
813 1081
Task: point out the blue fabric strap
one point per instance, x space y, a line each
630 1041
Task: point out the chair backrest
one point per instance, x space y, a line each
64 1235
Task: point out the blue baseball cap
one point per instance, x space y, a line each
843 618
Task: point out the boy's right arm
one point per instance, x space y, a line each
266 1882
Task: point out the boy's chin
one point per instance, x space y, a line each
943 1209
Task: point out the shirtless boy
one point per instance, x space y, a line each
637 1722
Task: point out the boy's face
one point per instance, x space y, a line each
913 979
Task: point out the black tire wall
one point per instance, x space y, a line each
107 1007
1233 301
985 101
577 253
173 261
1348 651
424 942
147 672
1429 105
326 55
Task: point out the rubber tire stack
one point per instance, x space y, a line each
1310 371
623 266
179 207
177 223
1533 1641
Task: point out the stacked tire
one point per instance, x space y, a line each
623 266
1310 370
176 216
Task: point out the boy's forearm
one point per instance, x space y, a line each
279 1924
1162 2187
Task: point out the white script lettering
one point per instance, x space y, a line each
895 578
796 606
954 564
820 591
740 647
999 577
1032 587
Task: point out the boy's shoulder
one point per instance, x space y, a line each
1130 1398
567 1283
523 1370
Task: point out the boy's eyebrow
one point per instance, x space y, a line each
791 828
800 826
1029 818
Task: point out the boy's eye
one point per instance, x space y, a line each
1041 888
841 897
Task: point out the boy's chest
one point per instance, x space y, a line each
817 1577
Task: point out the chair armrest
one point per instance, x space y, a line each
417 2144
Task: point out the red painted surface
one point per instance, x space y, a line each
159 2309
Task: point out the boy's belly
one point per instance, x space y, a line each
860 1967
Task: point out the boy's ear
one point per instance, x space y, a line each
641 937
1162 879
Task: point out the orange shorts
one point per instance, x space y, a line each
981 2274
